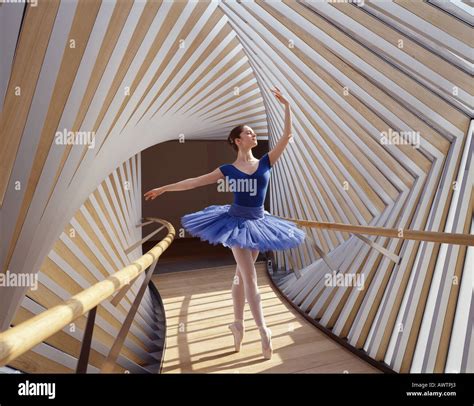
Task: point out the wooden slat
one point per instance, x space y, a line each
81 27
437 18
29 56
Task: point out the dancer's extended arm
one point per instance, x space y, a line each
280 146
186 184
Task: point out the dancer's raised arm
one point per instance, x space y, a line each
186 184
280 146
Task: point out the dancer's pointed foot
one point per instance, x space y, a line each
238 330
266 336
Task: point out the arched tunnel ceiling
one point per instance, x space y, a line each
135 74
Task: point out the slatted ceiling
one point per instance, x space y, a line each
88 254
414 331
439 19
50 269
117 20
29 54
69 66
123 181
348 304
151 10
246 105
461 10
177 8
112 243
10 22
359 155
62 249
127 182
428 35
237 73
117 237
368 59
416 52
116 212
208 77
349 165
98 247
118 206
187 54
182 59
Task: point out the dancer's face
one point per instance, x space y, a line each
248 139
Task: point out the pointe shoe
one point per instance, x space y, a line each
267 348
238 334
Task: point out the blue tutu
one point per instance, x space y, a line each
233 225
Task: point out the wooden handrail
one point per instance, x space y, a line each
24 336
402 233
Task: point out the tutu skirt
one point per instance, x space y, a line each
233 225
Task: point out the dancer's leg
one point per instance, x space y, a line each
238 292
238 297
245 262
246 271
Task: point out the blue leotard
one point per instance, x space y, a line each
245 223
260 179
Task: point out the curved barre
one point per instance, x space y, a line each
402 233
24 336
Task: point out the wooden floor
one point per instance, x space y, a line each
198 307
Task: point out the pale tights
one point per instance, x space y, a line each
245 286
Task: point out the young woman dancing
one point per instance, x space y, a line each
244 226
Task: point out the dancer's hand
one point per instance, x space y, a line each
154 193
279 96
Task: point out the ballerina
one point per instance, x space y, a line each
244 226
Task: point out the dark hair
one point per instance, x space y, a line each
235 133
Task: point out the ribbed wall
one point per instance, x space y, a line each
93 246
355 73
